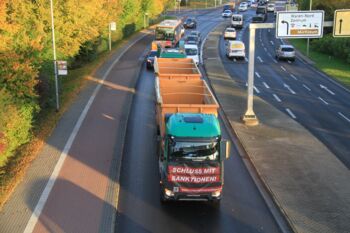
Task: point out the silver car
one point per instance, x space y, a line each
285 52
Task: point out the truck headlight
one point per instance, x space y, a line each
168 192
216 193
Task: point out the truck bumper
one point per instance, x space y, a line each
167 195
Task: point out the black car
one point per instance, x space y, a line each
190 23
150 59
260 18
191 39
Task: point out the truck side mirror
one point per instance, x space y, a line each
225 148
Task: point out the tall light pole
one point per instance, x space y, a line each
145 20
54 56
308 40
109 37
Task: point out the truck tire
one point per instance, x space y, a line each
216 202
162 199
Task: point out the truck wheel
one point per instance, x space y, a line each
216 202
163 201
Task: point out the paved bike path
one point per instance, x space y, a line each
84 194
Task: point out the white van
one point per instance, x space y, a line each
235 48
237 20
192 51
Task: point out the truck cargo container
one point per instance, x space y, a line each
191 150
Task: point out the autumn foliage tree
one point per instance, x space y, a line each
26 50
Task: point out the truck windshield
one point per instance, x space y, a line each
164 34
195 151
236 18
261 10
191 52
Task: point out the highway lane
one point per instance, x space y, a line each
242 209
297 89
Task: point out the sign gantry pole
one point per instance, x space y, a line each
249 117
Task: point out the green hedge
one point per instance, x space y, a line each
337 47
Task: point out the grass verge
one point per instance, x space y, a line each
334 67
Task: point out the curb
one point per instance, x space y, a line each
124 130
114 185
276 211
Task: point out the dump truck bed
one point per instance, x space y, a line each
183 96
176 68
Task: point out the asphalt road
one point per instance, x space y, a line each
306 95
242 209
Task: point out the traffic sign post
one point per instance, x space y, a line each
341 23
62 67
299 24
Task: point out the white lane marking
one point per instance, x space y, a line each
271 42
295 78
265 84
234 59
289 62
259 58
326 88
268 53
268 30
325 102
274 60
246 59
45 194
291 113
282 42
277 98
257 75
211 58
202 45
290 89
246 84
306 87
256 89
341 114
283 68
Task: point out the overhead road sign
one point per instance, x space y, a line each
299 24
341 26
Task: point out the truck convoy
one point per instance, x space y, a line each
191 150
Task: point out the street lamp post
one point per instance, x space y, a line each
54 56
109 37
145 17
308 39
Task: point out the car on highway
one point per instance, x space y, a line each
243 6
230 33
226 13
235 49
196 33
192 51
270 7
150 59
258 18
286 52
237 21
191 39
254 5
190 23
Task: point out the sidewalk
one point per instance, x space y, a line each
105 167
308 183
